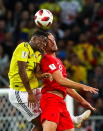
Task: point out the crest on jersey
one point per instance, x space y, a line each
24 54
52 67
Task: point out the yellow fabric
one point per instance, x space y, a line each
54 7
24 53
100 58
79 50
80 74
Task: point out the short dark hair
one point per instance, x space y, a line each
40 39
41 33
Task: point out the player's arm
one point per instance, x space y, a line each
41 75
22 54
58 77
25 81
23 75
80 99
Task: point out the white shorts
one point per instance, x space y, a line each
19 99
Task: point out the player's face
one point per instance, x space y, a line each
38 43
51 46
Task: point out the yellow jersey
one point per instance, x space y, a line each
25 53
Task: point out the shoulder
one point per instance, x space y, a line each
24 46
46 56
48 59
21 50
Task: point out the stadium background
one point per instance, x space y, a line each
78 28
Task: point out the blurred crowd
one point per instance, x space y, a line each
78 28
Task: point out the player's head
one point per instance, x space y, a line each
43 41
51 46
39 40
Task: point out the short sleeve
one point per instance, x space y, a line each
51 65
52 68
22 54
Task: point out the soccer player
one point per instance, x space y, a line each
77 120
23 81
54 114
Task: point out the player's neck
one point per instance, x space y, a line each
33 47
53 54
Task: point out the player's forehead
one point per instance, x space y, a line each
50 36
38 38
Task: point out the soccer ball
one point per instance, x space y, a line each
43 18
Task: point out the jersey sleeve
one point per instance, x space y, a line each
22 54
38 56
51 65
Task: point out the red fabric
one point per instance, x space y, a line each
55 64
54 109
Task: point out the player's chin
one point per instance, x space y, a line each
54 50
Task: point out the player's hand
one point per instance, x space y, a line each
90 89
87 105
46 76
31 100
92 108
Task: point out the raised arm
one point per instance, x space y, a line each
58 77
80 99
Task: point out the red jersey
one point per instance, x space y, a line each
50 64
